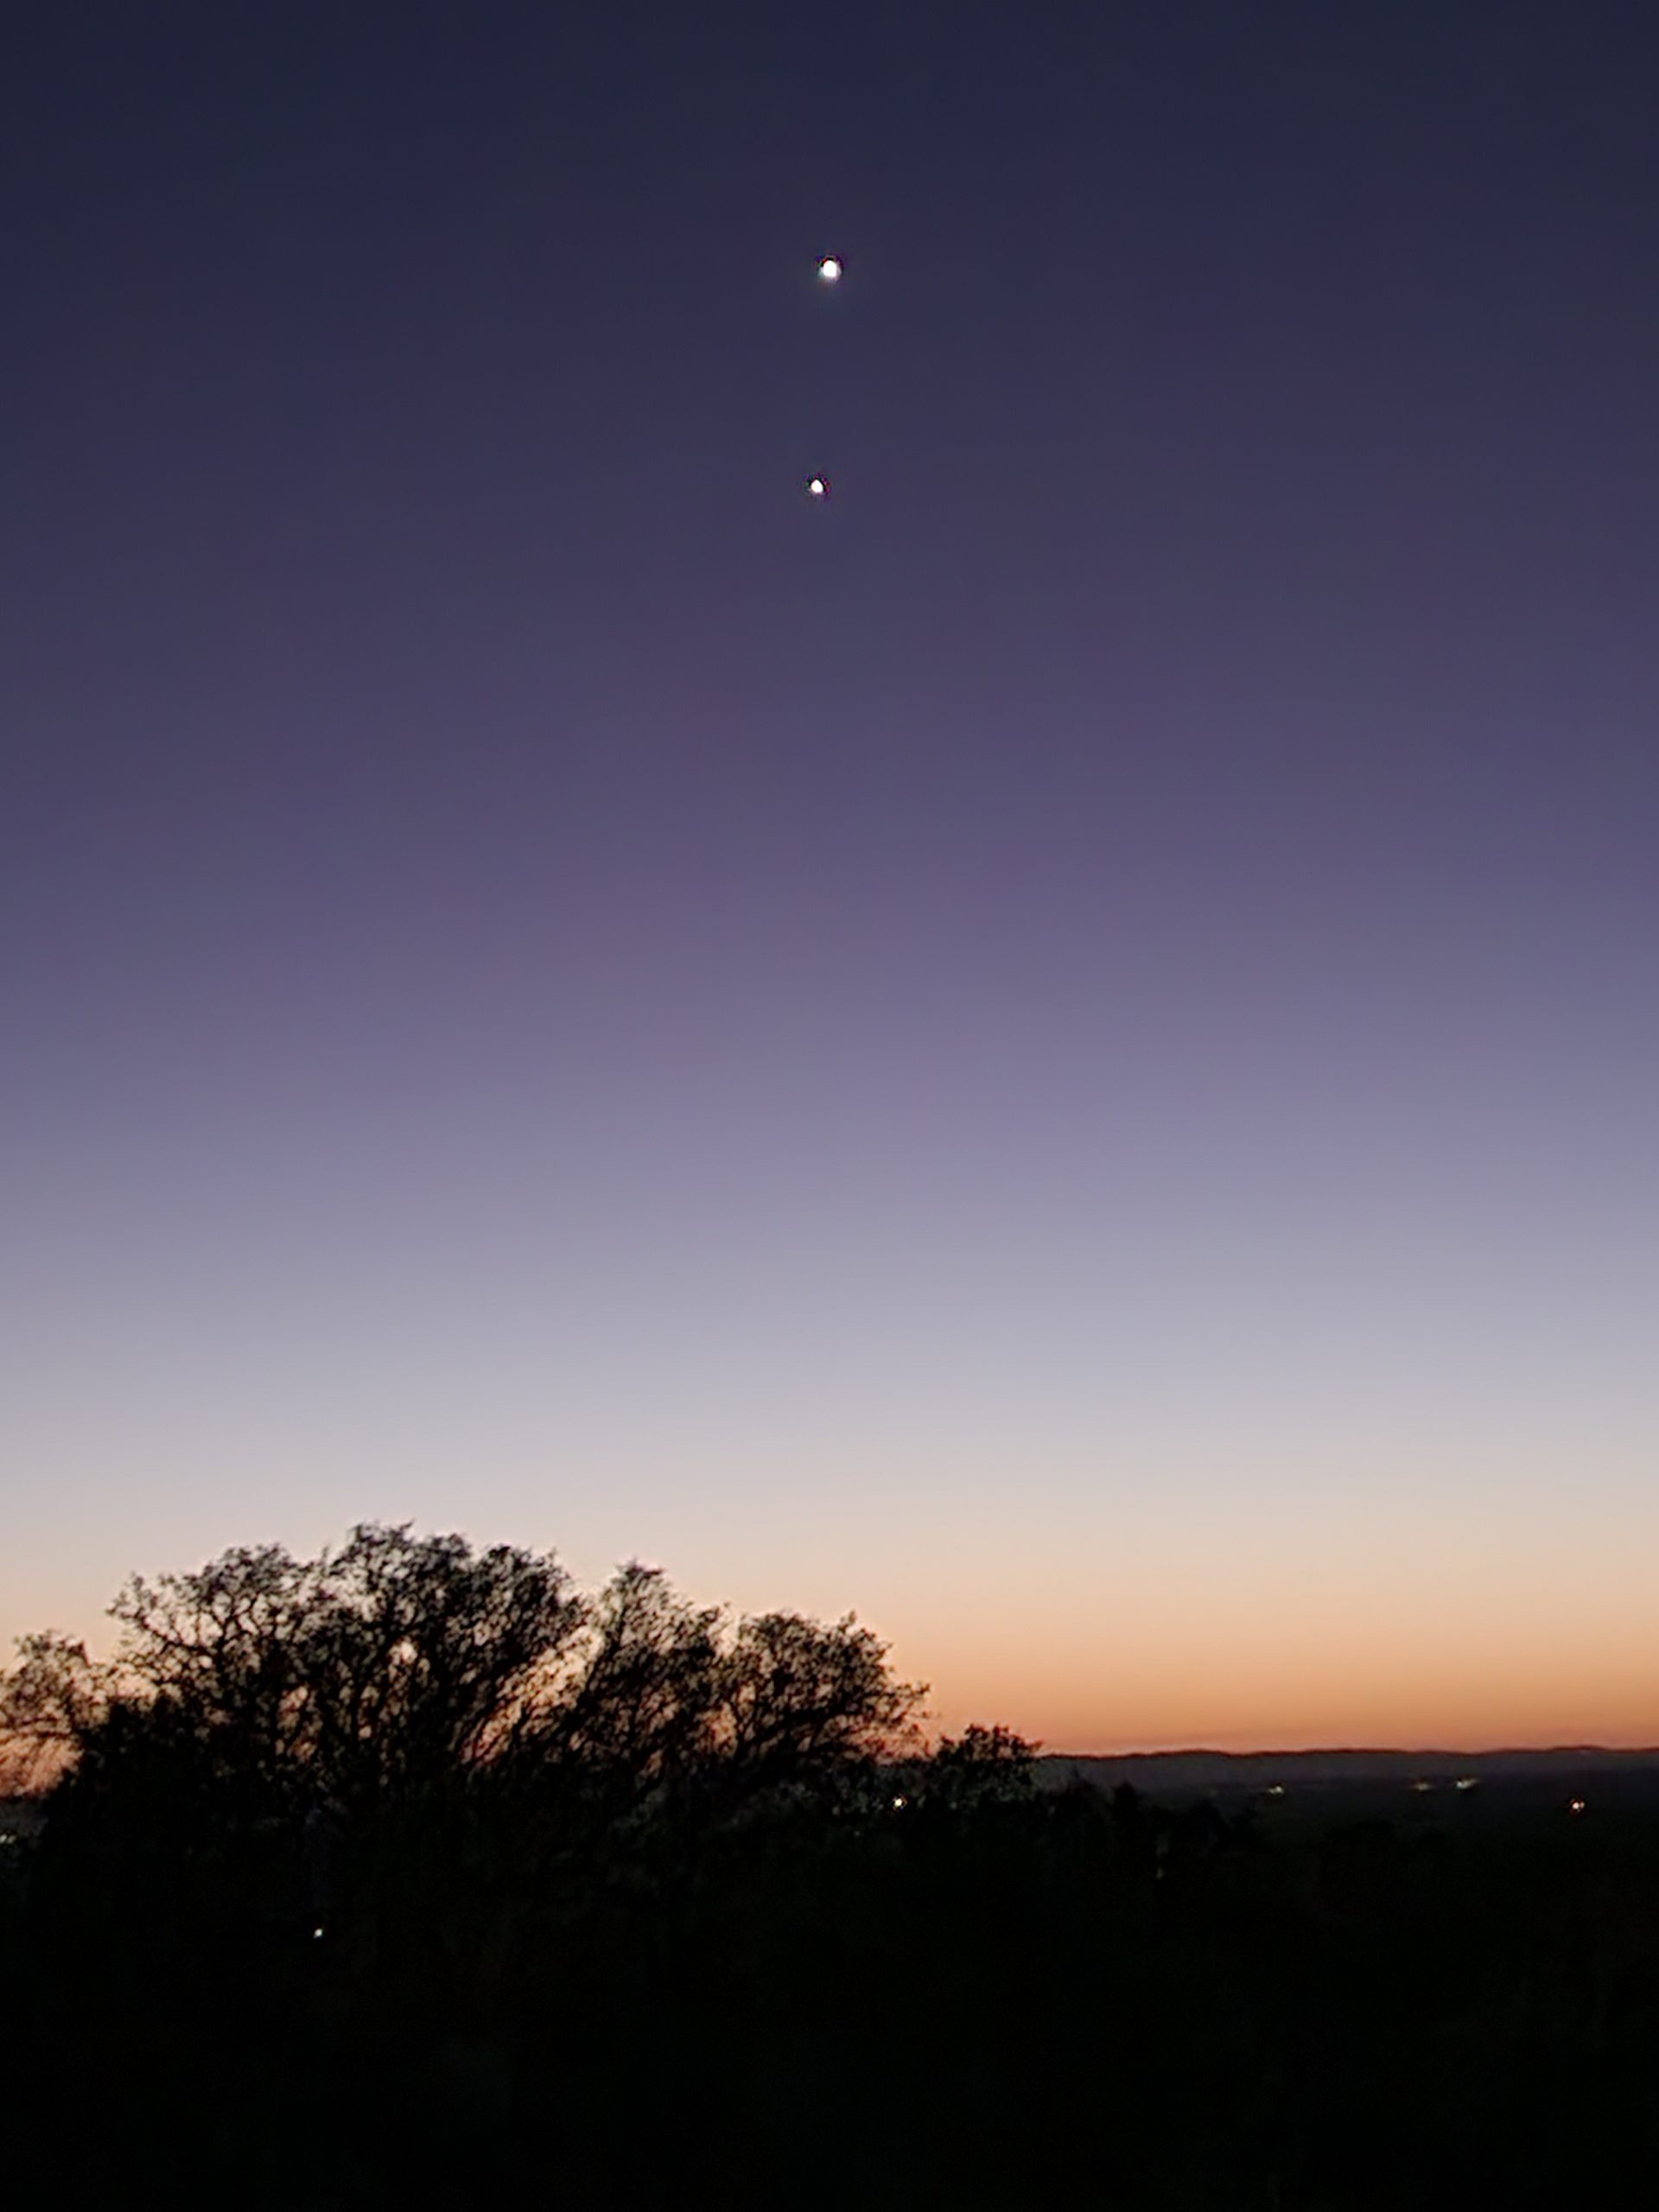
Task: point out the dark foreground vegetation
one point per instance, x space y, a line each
409 1876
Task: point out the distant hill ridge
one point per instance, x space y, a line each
1205 1771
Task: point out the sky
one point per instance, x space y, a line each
1057 1047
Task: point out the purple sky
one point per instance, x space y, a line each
1059 1047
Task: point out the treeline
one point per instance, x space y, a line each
410 1873
403 1674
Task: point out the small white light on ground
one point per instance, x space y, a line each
1577 1805
316 1935
899 1804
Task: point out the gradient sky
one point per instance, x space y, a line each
1060 1048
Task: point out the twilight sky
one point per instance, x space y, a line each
1060 1048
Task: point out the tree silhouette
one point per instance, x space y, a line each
981 1767
403 1672
798 1699
50 1703
636 1709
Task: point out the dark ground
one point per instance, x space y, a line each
1355 1995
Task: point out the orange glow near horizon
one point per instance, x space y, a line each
1252 1632
1278 1697
1345 1662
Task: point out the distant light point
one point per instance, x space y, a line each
817 489
830 269
1576 1805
